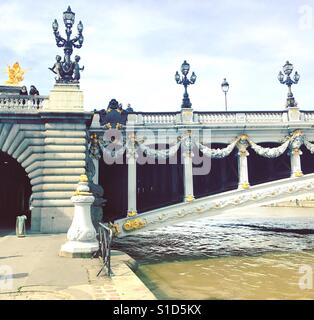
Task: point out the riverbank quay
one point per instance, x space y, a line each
31 269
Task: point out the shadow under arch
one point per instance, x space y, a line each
223 174
261 169
15 192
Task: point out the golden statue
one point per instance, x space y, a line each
15 73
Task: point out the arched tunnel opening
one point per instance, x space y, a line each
15 192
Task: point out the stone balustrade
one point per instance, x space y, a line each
245 117
17 103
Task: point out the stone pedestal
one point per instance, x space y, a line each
187 115
294 114
65 97
81 236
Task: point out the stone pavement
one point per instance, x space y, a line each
38 273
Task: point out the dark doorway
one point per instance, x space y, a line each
15 192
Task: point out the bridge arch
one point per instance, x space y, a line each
18 145
15 192
51 148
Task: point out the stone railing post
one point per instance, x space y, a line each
187 156
81 236
242 163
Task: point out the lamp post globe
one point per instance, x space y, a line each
225 89
55 25
80 27
287 68
225 86
185 68
69 17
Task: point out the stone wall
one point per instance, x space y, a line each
51 147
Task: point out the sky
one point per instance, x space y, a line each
133 48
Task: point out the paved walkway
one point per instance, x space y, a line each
37 272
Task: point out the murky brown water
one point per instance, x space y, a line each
255 255
269 276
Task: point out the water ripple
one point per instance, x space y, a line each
218 237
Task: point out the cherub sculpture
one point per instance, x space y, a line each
77 69
57 68
15 74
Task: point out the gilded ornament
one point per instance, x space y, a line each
245 185
298 174
132 214
297 133
189 198
15 74
244 137
135 224
115 228
83 178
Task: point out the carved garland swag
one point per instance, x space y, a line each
275 152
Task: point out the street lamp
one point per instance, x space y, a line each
66 68
287 69
225 89
185 68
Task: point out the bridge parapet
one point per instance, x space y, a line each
17 103
238 117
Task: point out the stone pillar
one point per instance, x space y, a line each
132 186
242 163
81 236
295 161
295 153
188 167
188 177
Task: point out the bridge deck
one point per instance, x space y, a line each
258 195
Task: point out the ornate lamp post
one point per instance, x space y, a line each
225 89
185 68
287 69
67 70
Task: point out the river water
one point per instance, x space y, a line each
258 254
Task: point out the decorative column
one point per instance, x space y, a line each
94 153
295 153
188 167
81 236
242 163
132 189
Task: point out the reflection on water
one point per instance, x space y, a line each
255 258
